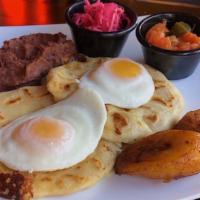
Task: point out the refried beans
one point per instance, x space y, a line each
28 58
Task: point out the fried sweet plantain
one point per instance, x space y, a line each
165 155
190 121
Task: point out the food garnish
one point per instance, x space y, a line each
180 28
179 38
102 17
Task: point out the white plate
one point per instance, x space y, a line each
126 187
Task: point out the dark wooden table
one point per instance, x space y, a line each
27 12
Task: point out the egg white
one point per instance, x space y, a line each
122 92
84 110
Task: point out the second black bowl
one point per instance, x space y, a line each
174 64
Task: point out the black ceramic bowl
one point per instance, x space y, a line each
93 43
174 64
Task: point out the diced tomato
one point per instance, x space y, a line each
165 43
158 30
183 46
190 37
156 36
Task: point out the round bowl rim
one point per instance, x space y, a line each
113 33
142 40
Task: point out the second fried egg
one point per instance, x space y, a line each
121 82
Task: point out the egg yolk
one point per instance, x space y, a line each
125 68
42 133
45 128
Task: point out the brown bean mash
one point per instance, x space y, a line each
28 58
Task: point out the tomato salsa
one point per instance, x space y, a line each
178 38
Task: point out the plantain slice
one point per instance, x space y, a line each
165 155
190 121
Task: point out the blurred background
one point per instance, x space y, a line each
28 12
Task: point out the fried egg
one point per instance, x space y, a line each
56 137
121 82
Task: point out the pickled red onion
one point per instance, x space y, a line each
102 17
